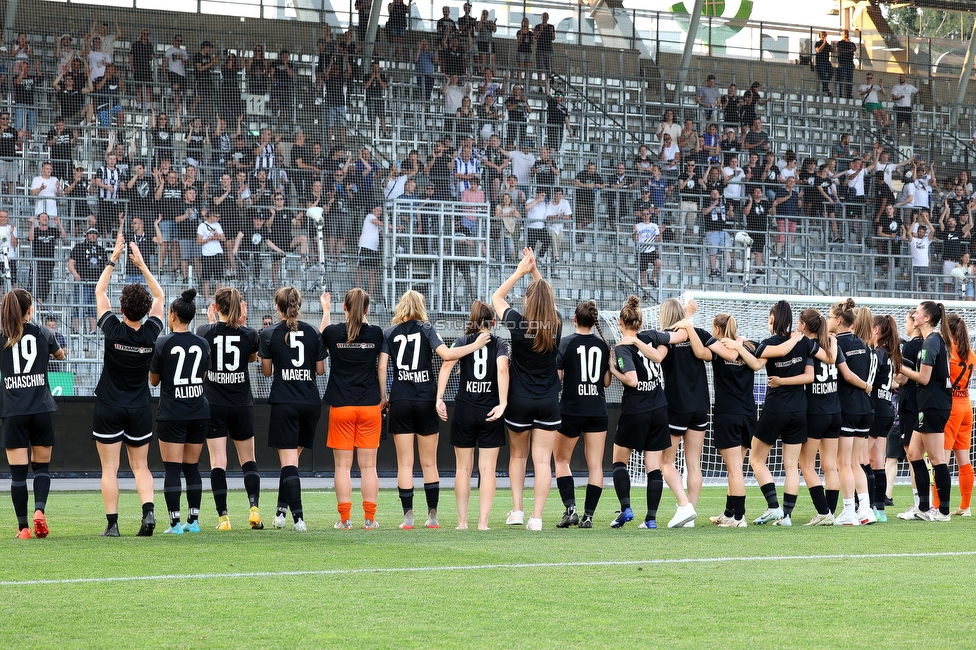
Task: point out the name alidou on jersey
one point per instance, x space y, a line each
584 360
411 347
24 366
228 382
294 356
478 384
648 394
181 360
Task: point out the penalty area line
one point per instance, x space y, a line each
486 567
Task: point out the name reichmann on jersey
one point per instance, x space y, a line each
24 381
824 388
227 377
296 374
188 392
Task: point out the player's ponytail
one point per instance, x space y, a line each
16 304
228 301
588 316
937 315
888 339
630 316
844 310
864 325
728 328
960 336
183 307
816 324
356 304
289 303
543 319
782 315
480 318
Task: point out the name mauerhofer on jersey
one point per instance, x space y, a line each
227 378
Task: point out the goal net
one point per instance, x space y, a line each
751 312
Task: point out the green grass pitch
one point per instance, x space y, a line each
894 585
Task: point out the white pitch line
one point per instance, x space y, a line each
483 567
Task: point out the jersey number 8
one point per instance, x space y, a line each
480 363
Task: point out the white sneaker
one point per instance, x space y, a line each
718 520
300 526
822 520
534 524
932 514
690 524
785 521
515 518
732 522
278 522
867 517
768 517
847 519
682 516
909 514
962 512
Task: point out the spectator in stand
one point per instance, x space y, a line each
51 323
71 100
756 139
642 202
757 211
325 48
176 60
643 163
920 238
148 244
495 161
787 167
446 29
43 239
734 177
486 29
108 38
557 115
61 142
750 102
517 105
955 242
646 237
545 172
871 94
465 120
141 56
369 249
718 215
363 8
466 168
186 230
770 176
544 34
454 58
821 62
231 106
690 193
76 190
537 234
660 187
786 207
375 87
709 97
731 113
96 59
558 213
689 142
206 65
169 199
845 51
589 183
108 97
830 202
213 262
46 188
454 92
396 25
623 185
842 148
440 167
108 181
523 49
24 84
424 62
65 53
667 126
729 145
86 263
523 161
902 94
670 156
258 73
855 189
508 215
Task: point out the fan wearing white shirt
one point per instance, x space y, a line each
920 239
734 177
871 93
902 94
176 58
46 188
558 212
214 263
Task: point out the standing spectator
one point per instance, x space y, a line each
646 237
495 161
176 60
369 249
326 55
545 172
446 29
97 60
61 142
845 65
51 323
43 239
667 126
71 99
213 262
258 73
46 188
659 187
588 184
454 59
25 113
466 24
750 103
85 264
148 244
689 143
363 8
108 180
169 199
396 25
523 161
670 156
231 106
454 91
709 97
821 62
141 56
731 113
537 235
283 86
711 147
8 248
829 202
186 232
65 53
108 97
517 105
871 93
855 188
557 115
335 105
718 214
544 35
108 38
757 210
787 206
920 238
466 168
902 94
206 66
558 213
622 184
486 29
424 62
523 49
161 133
508 214
734 178
375 87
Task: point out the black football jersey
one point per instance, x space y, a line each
881 388
294 356
228 382
908 392
124 381
787 399
822 398
584 360
648 395
937 394
181 359
533 374
686 384
478 382
411 348
352 371
25 390
853 400
734 383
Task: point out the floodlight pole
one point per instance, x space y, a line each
964 74
685 64
371 29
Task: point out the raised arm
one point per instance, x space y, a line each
159 298
526 265
326 301
102 303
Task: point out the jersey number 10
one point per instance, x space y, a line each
590 364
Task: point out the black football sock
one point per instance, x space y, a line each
593 493
789 502
922 484
739 507
18 493
433 493
943 483
655 486
282 508
729 508
832 497
218 485
252 483
194 490
880 488
819 499
293 490
42 484
621 484
147 508
872 486
567 491
113 520
406 499
172 490
769 491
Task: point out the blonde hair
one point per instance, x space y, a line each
410 307
864 326
541 314
672 311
